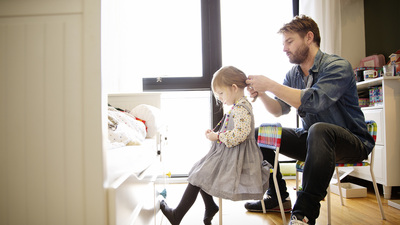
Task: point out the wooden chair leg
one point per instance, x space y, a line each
339 186
263 206
220 210
378 197
278 195
328 204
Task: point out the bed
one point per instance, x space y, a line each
133 164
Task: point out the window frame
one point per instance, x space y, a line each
211 55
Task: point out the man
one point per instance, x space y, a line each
323 89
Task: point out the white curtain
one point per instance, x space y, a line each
327 14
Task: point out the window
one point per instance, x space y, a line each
166 43
189 116
203 27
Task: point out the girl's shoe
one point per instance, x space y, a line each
168 212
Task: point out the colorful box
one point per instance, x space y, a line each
375 96
363 102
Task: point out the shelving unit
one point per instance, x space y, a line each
387 146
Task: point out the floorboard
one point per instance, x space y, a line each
356 210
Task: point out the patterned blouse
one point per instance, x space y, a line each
242 127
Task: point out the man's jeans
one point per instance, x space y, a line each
321 147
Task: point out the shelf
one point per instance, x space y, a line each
373 107
374 82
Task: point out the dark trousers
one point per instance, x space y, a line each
321 147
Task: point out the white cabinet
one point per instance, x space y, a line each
387 146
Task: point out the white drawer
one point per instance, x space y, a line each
379 167
377 116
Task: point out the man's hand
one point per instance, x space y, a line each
261 84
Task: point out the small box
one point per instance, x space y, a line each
350 190
363 102
394 203
375 96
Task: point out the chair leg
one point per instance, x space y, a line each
328 204
220 210
339 186
378 197
263 206
278 194
297 180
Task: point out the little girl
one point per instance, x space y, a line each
233 168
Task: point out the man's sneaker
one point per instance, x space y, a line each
271 205
295 220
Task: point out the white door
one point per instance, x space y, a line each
51 165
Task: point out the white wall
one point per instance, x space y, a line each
51 163
117 71
353 31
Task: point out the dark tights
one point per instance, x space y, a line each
176 215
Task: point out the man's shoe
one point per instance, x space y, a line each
297 220
271 205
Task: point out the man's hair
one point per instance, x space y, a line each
302 25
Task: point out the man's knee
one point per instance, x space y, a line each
319 128
319 135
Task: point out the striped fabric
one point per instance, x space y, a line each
269 135
300 165
372 128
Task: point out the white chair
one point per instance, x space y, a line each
269 136
372 128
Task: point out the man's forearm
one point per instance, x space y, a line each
271 104
287 94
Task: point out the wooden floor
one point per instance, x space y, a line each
356 210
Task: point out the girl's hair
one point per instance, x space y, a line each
302 25
227 76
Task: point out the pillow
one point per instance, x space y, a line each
124 128
152 116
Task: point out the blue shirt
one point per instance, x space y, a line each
331 98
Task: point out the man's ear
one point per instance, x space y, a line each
310 37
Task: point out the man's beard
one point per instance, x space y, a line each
300 55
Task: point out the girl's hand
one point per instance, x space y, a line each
211 135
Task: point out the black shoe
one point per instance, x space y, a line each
168 212
209 214
271 205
